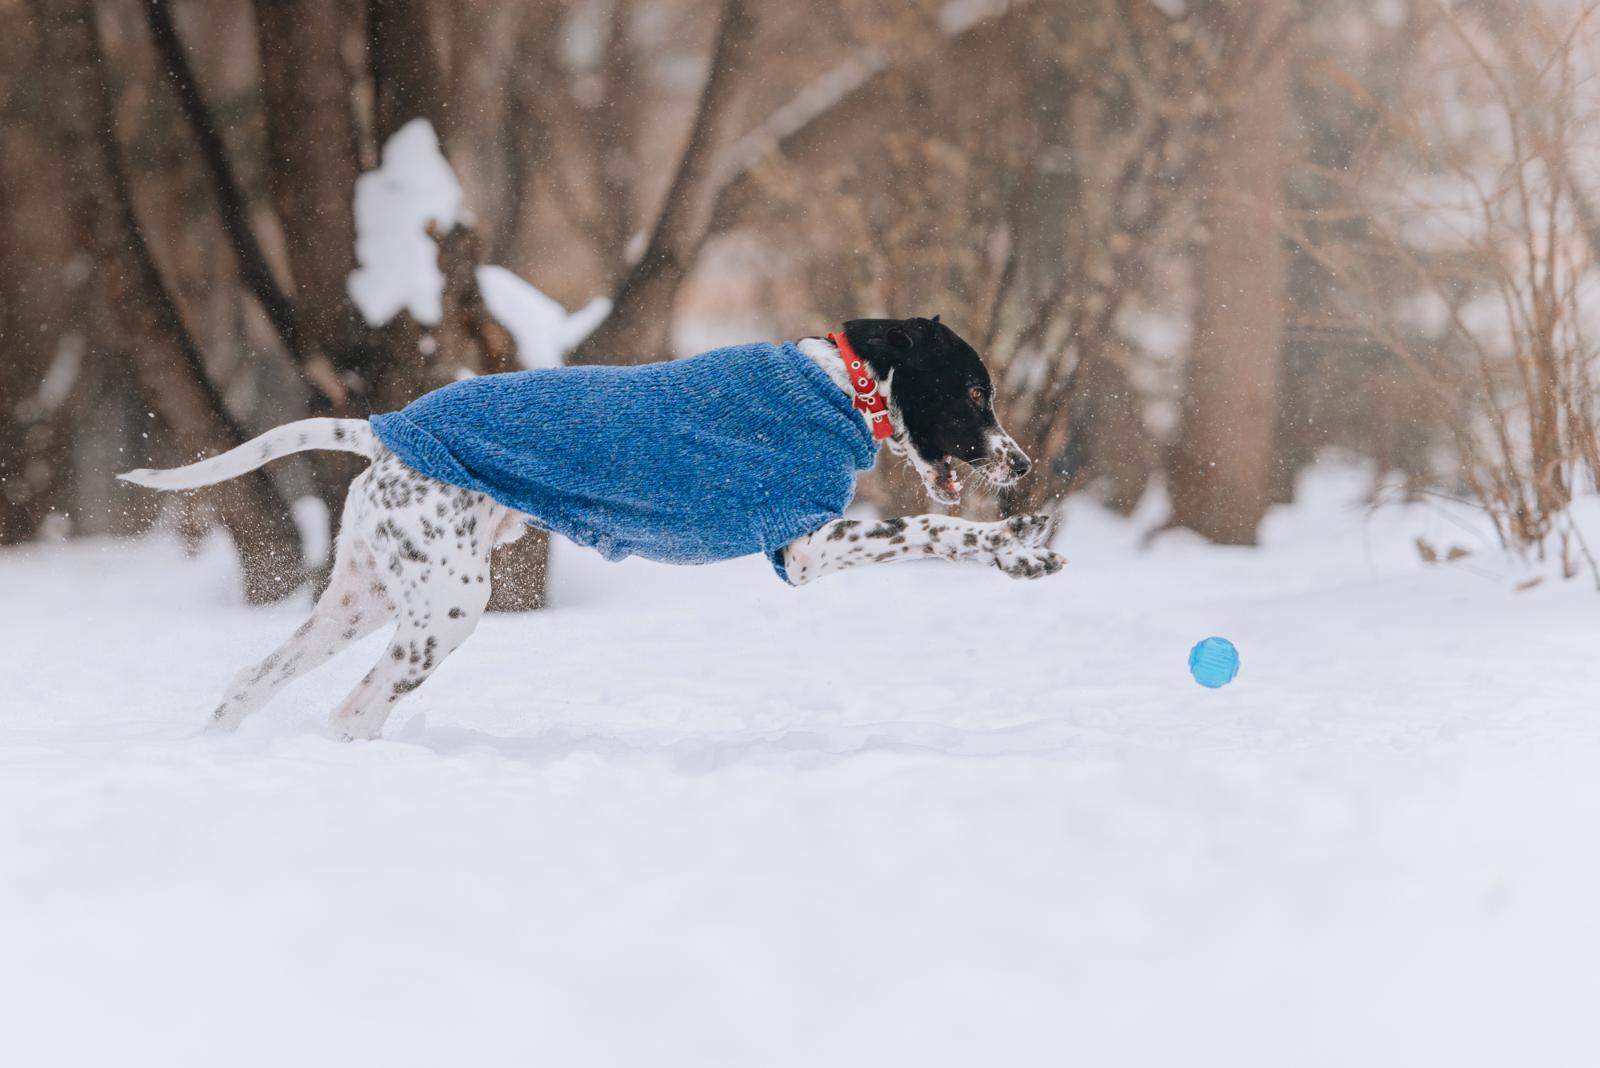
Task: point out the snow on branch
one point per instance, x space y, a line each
544 331
413 188
413 195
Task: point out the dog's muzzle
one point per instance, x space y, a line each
1010 459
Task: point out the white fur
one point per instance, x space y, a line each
336 435
411 549
1016 546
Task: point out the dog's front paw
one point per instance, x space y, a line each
1033 531
1029 563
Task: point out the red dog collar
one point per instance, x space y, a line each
868 400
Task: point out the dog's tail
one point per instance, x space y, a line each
340 435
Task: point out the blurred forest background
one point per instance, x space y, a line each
1199 241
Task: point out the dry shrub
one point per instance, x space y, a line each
1477 263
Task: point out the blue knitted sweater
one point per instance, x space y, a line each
735 451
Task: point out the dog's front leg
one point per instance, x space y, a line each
1016 546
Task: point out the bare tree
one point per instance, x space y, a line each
407 78
638 327
1219 470
28 473
234 212
312 164
170 368
1476 275
35 405
1031 211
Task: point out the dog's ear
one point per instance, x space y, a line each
934 319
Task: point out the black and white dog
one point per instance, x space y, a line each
415 548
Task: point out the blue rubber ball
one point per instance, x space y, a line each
1214 662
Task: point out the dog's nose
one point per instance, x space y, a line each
1018 462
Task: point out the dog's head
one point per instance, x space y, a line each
942 401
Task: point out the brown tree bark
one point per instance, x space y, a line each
615 142
35 433
1219 471
169 367
254 272
36 459
639 326
25 476
706 197
856 101
312 165
407 79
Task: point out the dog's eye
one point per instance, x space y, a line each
979 397
899 338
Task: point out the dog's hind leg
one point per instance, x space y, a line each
433 624
432 544
353 606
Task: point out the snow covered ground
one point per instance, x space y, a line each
679 820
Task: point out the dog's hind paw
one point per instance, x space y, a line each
224 719
354 728
1029 563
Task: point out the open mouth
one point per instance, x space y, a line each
944 486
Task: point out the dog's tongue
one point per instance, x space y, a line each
944 477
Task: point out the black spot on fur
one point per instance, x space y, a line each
404 546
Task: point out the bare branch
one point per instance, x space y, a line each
253 269
636 330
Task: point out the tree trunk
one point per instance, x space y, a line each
407 82
169 367
1219 472
233 210
311 163
23 483
35 455
639 326
518 573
